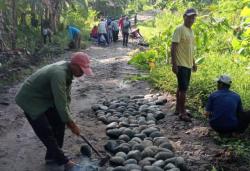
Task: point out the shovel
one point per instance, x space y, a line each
103 160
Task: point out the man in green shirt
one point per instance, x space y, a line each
182 53
45 97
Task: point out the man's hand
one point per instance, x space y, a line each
206 114
175 69
74 128
194 68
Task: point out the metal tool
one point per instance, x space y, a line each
103 159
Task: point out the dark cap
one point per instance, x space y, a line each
191 11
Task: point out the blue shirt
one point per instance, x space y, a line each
73 31
224 106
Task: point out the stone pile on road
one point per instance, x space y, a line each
136 142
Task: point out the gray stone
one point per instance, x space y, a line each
159 140
159 115
113 133
124 147
180 163
155 134
151 159
137 97
135 154
132 166
116 161
164 155
174 169
169 166
110 146
103 119
147 153
166 145
119 168
130 161
112 125
140 135
95 107
124 137
121 154
139 147
136 139
151 122
148 131
152 168
159 163
129 132
144 162
146 143
102 107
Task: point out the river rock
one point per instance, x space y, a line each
139 147
147 153
124 147
111 146
129 132
148 131
159 115
116 161
159 140
166 145
132 166
169 166
152 168
130 161
144 162
135 154
140 135
159 163
155 134
146 143
113 133
164 155
119 168
112 125
124 137
121 154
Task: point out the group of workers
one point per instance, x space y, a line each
108 30
49 91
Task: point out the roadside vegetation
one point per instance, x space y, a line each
222 47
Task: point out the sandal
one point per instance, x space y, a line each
185 118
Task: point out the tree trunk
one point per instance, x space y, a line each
14 24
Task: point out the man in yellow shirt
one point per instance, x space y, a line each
182 53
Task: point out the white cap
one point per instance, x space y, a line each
224 79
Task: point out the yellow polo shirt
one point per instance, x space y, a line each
184 36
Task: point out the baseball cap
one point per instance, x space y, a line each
191 11
82 60
224 79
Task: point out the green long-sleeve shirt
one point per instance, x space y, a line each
48 87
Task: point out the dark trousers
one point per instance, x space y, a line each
105 36
125 38
243 122
45 38
50 130
115 35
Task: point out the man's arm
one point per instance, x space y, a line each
173 57
194 66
